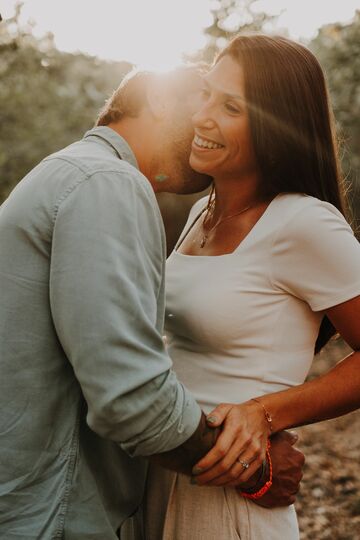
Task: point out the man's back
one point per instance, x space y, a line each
60 294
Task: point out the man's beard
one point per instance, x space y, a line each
181 178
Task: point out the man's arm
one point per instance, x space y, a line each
183 458
106 279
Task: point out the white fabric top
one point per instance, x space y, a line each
245 323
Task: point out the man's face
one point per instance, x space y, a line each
176 140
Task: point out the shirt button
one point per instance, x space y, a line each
170 315
181 428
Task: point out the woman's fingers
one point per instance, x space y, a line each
240 476
241 451
243 436
221 448
210 464
237 475
235 468
216 417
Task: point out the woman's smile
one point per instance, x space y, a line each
207 144
222 145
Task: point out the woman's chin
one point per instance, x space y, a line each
199 167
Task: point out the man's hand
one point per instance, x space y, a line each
183 458
287 471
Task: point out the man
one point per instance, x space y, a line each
86 386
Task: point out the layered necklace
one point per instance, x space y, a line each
209 212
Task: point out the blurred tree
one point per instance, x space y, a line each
48 98
232 17
337 46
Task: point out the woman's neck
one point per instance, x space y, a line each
232 197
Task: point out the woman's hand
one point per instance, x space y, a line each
240 448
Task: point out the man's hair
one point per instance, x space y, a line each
130 97
127 100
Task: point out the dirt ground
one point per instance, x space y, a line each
328 504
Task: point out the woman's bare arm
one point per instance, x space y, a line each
245 428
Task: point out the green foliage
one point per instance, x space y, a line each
231 17
338 49
48 99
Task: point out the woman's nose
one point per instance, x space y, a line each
203 118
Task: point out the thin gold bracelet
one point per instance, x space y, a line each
266 413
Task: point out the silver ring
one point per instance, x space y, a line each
245 464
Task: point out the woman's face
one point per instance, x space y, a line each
222 145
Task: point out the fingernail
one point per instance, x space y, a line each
211 419
197 470
294 435
193 481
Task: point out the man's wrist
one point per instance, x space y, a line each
184 457
263 487
257 480
202 440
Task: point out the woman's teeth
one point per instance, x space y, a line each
206 144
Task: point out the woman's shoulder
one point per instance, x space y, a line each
307 211
315 255
305 223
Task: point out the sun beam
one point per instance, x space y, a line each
154 34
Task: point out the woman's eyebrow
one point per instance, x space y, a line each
220 90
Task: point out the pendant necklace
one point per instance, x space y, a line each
209 213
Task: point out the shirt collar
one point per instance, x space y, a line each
117 142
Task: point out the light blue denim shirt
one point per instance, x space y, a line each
86 387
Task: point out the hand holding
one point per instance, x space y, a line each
287 464
240 448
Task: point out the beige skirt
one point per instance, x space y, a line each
175 509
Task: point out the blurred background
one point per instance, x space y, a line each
59 61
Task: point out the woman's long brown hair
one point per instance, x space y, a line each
291 124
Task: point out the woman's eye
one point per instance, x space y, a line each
231 108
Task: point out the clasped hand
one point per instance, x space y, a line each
244 435
240 448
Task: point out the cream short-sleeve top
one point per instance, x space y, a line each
245 323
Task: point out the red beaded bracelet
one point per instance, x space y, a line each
265 488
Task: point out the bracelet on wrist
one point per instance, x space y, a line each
263 475
268 416
250 494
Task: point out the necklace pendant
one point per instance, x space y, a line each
203 241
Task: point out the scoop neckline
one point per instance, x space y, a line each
245 240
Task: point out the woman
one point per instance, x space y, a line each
264 273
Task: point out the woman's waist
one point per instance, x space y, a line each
214 377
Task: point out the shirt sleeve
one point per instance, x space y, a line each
106 289
316 257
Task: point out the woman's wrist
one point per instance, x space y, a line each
267 415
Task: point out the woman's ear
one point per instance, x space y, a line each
156 96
